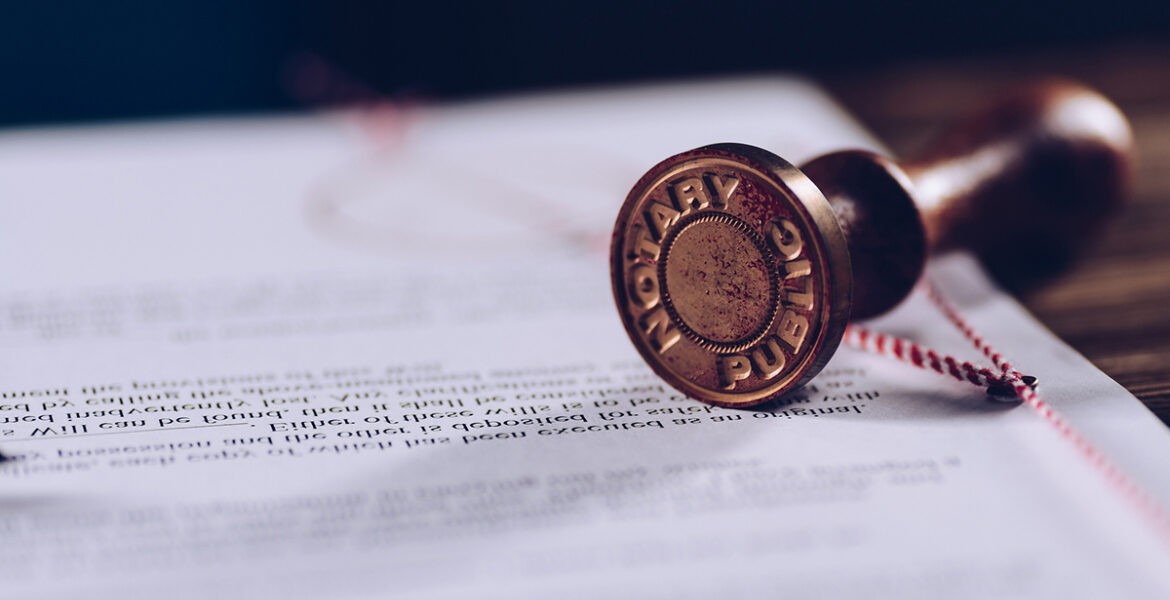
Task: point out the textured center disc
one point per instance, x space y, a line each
718 282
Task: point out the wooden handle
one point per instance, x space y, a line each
1026 183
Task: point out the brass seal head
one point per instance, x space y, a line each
731 274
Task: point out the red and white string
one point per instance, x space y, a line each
1004 375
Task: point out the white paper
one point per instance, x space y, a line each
350 356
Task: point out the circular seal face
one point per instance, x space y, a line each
731 274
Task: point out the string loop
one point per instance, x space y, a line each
1004 376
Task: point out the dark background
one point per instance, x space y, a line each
114 60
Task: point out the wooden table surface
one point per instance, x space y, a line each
1114 306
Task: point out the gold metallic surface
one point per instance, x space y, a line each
731 274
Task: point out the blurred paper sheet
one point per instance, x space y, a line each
375 355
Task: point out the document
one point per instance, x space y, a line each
374 354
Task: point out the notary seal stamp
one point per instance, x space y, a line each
736 273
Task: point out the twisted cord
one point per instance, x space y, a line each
1004 377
